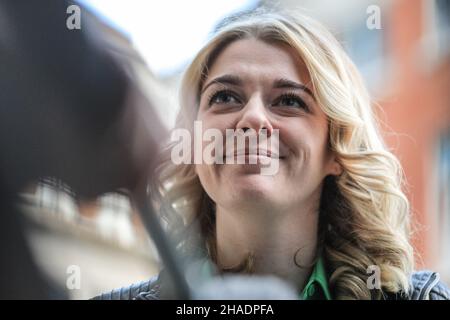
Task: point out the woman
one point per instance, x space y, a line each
334 213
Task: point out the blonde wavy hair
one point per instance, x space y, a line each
364 215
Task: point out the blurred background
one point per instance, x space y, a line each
405 62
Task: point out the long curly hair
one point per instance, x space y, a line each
364 217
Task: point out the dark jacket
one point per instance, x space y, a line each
425 285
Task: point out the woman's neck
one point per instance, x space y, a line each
273 240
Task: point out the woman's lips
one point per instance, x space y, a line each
250 153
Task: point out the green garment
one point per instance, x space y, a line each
317 286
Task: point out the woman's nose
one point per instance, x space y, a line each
254 116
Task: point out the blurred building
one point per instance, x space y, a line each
103 238
417 107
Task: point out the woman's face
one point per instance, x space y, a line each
255 85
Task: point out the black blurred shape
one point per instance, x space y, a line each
61 101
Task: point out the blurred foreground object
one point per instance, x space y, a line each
67 110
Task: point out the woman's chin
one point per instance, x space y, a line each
253 185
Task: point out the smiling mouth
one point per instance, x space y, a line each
255 153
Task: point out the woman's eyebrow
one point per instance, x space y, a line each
286 83
225 79
278 84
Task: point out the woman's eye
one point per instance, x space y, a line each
291 101
223 97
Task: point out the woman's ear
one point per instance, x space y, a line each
334 167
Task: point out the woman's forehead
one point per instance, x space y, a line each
256 60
